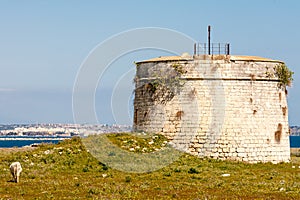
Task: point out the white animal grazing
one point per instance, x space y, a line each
15 169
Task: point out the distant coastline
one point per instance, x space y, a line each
19 135
9 137
21 141
25 135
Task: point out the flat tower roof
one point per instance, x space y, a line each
212 57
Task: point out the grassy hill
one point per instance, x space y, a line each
68 171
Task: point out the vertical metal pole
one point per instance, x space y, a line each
195 49
227 49
208 40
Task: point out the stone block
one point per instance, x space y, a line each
245 159
197 145
242 155
201 141
225 150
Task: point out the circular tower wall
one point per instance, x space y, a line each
223 107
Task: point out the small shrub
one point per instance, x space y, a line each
193 171
31 176
177 170
127 179
69 163
151 87
104 167
93 191
178 68
167 174
85 169
284 74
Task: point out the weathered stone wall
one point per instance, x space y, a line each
220 107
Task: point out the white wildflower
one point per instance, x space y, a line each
47 152
104 175
151 142
225 175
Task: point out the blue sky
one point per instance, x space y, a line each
44 43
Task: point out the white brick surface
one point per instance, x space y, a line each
220 111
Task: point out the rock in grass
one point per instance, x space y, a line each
225 175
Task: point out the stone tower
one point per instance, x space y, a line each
217 106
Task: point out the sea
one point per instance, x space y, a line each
295 141
20 141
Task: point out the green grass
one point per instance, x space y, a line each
68 171
138 142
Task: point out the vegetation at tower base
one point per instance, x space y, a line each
68 171
284 74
